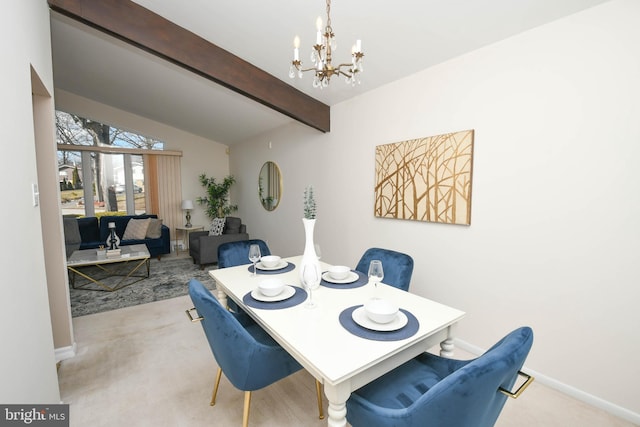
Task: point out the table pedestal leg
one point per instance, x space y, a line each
337 414
337 410
222 297
447 346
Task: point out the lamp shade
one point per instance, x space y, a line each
187 204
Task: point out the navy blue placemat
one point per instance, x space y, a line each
297 298
362 280
405 332
290 266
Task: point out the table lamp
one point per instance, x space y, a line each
187 205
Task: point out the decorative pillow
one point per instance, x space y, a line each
136 229
233 225
155 228
217 226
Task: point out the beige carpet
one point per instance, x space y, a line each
147 365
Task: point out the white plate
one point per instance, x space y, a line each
360 317
286 293
352 277
281 264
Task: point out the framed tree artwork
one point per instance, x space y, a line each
426 179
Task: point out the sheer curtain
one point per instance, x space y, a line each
164 197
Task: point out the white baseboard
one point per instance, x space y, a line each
63 353
580 395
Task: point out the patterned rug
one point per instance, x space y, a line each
168 278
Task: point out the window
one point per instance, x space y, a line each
103 168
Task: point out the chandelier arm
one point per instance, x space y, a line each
351 72
307 69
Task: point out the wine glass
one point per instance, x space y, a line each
376 273
310 281
254 256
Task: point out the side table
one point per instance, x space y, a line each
185 235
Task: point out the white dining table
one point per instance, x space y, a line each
340 360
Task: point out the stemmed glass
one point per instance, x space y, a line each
311 281
376 273
254 256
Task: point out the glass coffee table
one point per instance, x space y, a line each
108 273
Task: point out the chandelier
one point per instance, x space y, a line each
321 57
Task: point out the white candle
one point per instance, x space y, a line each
358 46
296 44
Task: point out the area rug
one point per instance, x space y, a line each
168 278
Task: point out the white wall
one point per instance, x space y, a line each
199 155
554 234
27 362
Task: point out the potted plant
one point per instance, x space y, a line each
217 198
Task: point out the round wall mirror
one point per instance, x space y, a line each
270 186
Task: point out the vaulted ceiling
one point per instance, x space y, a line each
398 39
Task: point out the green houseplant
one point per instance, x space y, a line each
217 199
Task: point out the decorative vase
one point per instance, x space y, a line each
113 241
309 255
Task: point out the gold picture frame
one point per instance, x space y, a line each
426 179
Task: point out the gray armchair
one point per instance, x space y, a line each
203 248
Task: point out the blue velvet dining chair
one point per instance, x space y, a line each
232 254
245 353
434 391
397 266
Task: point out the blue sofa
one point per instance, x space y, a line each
94 232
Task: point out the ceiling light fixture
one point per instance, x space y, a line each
321 57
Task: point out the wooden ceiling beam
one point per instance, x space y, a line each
146 30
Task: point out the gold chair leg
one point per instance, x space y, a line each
245 414
215 387
319 393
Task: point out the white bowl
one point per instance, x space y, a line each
381 310
270 261
271 287
339 272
